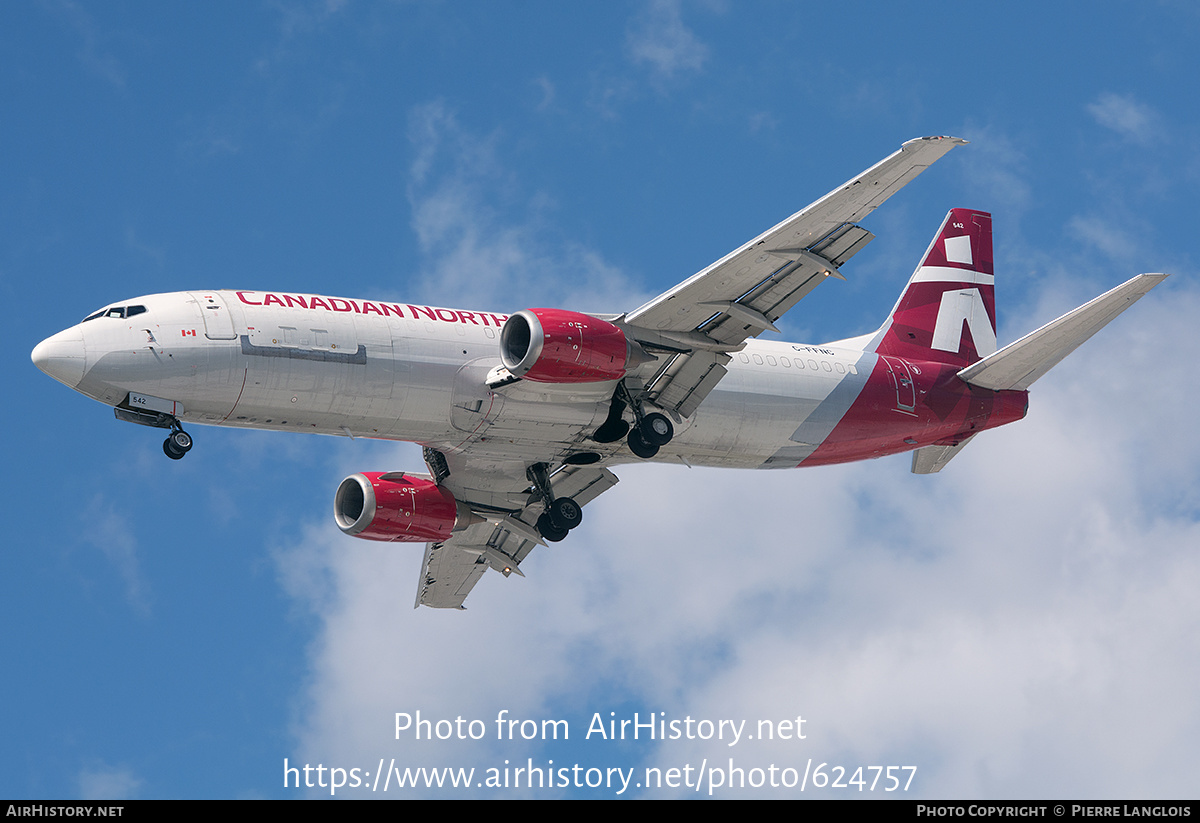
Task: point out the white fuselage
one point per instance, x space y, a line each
306 363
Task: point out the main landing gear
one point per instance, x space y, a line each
649 433
562 513
177 444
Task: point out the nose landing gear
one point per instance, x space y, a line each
177 444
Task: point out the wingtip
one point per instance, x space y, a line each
957 141
1148 280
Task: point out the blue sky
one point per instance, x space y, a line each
1022 625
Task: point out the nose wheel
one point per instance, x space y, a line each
177 444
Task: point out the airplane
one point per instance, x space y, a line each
521 416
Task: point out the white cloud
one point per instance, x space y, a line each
548 91
997 171
461 195
93 54
297 22
761 121
112 535
1125 115
104 782
1110 238
658 38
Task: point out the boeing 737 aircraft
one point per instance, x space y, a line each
522 415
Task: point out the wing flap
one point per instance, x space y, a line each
448 573
687 380
583 483
843 243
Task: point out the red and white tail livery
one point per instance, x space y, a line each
947 313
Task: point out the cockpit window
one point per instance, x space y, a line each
117 311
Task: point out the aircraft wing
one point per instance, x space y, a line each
503 498
713 312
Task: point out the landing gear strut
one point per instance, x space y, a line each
614 426
178 443
649 433
562 513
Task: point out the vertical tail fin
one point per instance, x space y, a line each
947 312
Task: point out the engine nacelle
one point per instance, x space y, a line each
557 346
398 507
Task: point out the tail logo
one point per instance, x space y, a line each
958 306
958 249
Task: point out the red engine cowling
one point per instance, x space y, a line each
394 506
557 346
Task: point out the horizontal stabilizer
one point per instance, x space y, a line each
1017 365
932 459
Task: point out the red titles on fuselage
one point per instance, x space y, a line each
340 304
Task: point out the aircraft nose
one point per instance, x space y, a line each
61 356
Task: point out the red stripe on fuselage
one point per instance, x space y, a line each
946 411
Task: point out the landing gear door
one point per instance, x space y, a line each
218 325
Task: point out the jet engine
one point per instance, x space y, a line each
397 507
557 346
